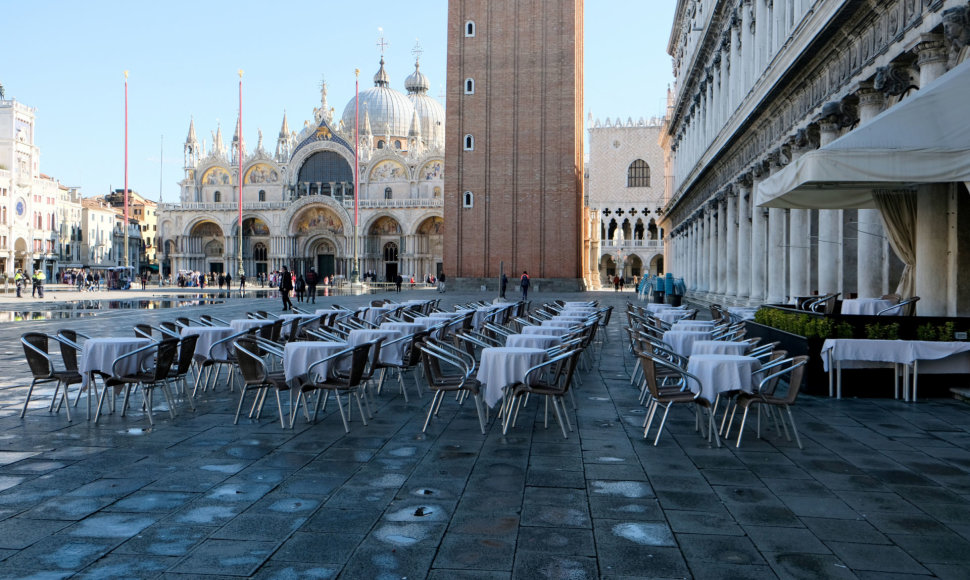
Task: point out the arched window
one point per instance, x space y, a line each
638 174
390 252
470 28
468 199
259 252
397 143
380 144
262 195
217 196
469 143
469 86
388 193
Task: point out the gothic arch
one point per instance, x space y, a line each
312 218
416 223
303 203
306 244
190 228
301 156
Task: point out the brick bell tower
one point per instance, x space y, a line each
514 143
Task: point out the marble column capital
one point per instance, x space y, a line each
931 48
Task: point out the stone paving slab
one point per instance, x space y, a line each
880 491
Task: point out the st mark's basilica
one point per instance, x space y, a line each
298 197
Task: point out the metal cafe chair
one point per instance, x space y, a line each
43 371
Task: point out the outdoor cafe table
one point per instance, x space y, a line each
209 335
533 341
693 325
578 303
503 366
571 318
742 312
448 315
718 347
722 373
865 353
393 354
373 314
545 330
478 320
671 315
653 308
682 341
869 306
299 355
584 312
98 356
405 327
241 324
558 323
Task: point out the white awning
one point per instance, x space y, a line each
923 139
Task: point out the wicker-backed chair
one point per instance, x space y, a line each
43 371
258 377
794 368
448 373
148 377
551 380
336 381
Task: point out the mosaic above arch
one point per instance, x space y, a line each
388 171
385 226
255 227
316 219
432 170
262 173
216 176
206 230
432 226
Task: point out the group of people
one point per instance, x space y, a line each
36 281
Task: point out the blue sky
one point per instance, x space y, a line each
67 59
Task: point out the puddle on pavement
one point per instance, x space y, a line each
85 308
135 431
645 534
627 489
425 491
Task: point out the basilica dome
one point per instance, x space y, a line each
430 112
388 111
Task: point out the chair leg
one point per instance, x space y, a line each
478 409
431 409
279 406
146 396
30 391
169 398
242 397
663 421
793 427
360 407
340 406
744 418
562 425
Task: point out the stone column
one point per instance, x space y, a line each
870 265
743 184
722 229
759 241
829 229
711 249
932 236
777 268
799 233
731 263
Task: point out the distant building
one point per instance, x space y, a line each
514 162
30 227
625 190
142 212
298 201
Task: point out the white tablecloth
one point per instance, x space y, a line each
504 366
888 351
446 315
241 324
98 354
719 347
533 341
373 314
693 325
653 308
742 313
571 318
870 306
671 315
578 303
557 323
392 354
545 330
405 327
721 373
208 335
299 355
682 341
478 320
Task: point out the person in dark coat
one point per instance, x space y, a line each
286 285
504 285
525 283
398 281
311 285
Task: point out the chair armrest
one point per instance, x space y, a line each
345 352
137 352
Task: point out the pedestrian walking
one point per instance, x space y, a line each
524 282
311 285
503 285
441 283
286 285
398 281
19 281
300 288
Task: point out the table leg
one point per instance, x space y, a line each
915 380
905 382
895 380
838 378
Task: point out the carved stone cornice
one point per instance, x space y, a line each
893 79
956 31
870 97
745 180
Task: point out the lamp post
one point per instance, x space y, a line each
355 273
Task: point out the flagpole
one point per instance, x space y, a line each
355 274
125 228
239 179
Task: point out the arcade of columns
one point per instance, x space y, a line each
733 252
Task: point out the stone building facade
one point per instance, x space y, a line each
625 191
514 163
758 84
298 200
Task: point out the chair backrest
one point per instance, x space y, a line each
167 351
375 357
186 353
359 357
412 354
170 329
183 320
799 364
143 330
251 366
68 351
35 349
